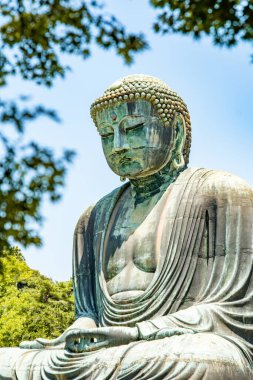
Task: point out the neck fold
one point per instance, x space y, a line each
145 187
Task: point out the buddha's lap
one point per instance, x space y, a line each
199 356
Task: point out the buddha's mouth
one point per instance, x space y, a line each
121 157
124 160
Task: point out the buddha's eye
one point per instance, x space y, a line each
105 135
106 132
135 126
134 123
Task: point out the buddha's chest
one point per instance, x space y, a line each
129 251
127 246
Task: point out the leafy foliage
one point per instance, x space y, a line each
226 21
28 172
35 32
31 305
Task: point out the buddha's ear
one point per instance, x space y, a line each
179 133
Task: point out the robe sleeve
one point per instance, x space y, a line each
223 301
84 268
224 320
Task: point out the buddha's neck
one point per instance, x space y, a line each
145 187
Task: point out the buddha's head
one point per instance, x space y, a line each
144 126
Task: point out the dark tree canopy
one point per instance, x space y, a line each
35 32
227 22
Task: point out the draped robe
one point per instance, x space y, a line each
203 282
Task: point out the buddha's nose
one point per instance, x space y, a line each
119 142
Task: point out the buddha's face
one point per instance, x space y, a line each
135 141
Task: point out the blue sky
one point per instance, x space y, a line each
216 84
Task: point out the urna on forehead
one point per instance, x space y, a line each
166 102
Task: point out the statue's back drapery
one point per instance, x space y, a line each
195 317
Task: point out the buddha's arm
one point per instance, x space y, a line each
195 319
232 320
84 269
83 281
191 320
188 321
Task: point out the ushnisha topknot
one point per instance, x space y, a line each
138 86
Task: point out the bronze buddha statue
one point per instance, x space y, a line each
162 266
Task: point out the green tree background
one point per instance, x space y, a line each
31 305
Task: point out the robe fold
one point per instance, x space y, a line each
203 282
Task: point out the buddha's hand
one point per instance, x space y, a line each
169 332
59 342
41 343
85 340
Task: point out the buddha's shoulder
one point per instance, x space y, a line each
217 182
101 207
83 220
111 198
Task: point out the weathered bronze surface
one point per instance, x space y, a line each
162 265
